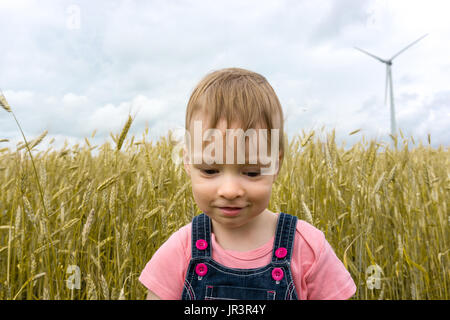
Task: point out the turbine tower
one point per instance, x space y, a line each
389 78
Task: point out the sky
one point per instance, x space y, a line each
72 67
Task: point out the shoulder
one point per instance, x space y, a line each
309 246
309 238
180 240
178 246
323 275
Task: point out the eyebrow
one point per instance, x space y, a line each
239 164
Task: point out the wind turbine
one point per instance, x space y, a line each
389 78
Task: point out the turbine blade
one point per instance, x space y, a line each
408 46
372 55
387 83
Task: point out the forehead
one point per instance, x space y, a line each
225 145
201 124
221 124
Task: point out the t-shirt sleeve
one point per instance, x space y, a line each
328 279
164 273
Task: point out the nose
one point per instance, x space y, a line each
230 187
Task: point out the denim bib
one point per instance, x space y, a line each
206 279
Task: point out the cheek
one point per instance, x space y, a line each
260 190
201 191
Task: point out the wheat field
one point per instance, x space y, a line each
78 226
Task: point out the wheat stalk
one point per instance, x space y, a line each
371 158
112 198
378 184
139 186
87 227
154 234
35 277
391 174
124 239
124 132
400 246
105 184
86 196
306 139
122 294
3 103
45 294
308 214
96 262
104 286
67 226
18 219
38 140
104 241
353 132
152 212
62 215
7 107
61 191
45 246
33 265
91 289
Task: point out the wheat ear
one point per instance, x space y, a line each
124 132
3 103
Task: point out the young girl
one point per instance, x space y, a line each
237 248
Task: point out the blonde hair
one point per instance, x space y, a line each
239 95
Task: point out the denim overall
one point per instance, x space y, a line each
206 279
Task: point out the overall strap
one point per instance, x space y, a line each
201 230
284 238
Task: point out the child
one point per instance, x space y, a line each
237 248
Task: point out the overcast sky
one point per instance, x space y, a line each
71 67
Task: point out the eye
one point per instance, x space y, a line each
253 174
208 171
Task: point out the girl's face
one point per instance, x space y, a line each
229 185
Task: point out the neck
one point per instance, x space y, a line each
249 236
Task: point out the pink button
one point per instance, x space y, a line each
277 274
201 244
281 252
201 269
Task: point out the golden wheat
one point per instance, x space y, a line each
124 132
3 103
91 289
87 227
112 211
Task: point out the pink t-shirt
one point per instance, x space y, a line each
317 271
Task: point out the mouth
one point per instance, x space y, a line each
230 211
231 207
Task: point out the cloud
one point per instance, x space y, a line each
149 55
111 118
430 116
339 16
72 100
